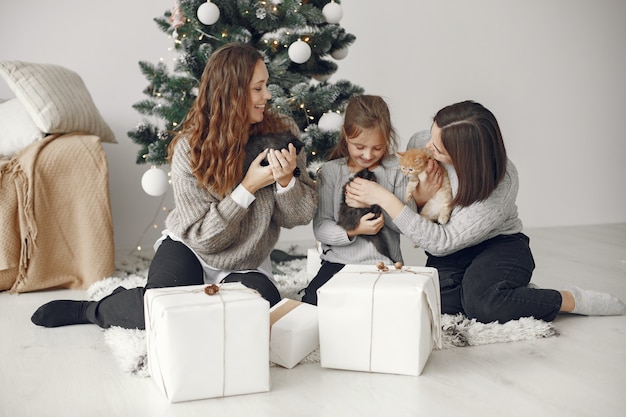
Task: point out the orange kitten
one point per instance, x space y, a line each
413 164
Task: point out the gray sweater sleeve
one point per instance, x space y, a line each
204 221
297 206
226 235
470 225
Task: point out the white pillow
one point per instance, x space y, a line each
56 98
17 129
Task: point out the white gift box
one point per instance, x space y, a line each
313 260
375 321
206 346
294 332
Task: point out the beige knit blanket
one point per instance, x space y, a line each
55 215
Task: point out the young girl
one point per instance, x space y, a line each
368 140
483 258
224 224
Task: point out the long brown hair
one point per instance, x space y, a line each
217 125
471 135
365 112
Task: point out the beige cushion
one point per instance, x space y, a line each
55 98
17 129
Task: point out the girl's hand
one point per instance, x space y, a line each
368 225
428 188
283 163
258 176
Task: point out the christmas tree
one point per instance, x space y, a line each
300 40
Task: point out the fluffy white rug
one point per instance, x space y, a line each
129 346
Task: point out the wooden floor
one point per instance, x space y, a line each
70 371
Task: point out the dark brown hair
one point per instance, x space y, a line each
217 124
472 137
365 112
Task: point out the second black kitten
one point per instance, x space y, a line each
258 143
349 217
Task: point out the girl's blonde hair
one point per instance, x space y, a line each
365 112
217 125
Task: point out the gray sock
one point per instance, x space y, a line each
595 303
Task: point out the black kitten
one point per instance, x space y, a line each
258 143
349 217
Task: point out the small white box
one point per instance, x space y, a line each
313 261
377 321
294 332
206 346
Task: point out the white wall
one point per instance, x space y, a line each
552 71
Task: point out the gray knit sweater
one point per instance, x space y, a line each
336 246
226 235
468 226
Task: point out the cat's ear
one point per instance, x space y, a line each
400 154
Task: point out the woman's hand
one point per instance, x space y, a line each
364 193
428 188
368 225
283 163
258 176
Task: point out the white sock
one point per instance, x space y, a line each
595 303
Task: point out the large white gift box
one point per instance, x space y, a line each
206 346
294 332
379 321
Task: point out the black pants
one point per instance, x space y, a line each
489 282
173 265
326 272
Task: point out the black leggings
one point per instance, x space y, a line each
173 265
326 272
489 282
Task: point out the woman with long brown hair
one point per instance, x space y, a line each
224 223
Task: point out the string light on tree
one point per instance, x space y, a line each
208 13
299 51
333 12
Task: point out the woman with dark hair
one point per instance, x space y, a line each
224 223
484 260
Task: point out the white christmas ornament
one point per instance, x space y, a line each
321 77
332 12
340 53
208 13
299 52
154 182
330 122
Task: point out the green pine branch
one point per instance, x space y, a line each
269 27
